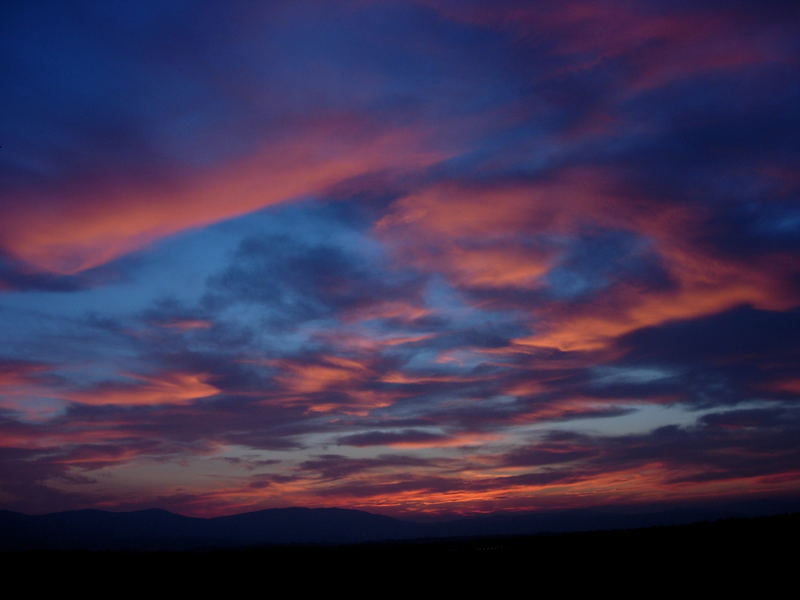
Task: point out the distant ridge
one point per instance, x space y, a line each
157 529
160 529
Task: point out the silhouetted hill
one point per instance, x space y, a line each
163 530
159 529
306 525
98 529
731 551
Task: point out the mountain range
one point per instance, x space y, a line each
156 529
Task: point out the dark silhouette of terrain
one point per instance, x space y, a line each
755 550
162 530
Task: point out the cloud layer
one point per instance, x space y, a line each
413 257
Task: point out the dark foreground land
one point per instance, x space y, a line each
728 549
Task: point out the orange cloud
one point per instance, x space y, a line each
706 284
402 378
15 374
445 220
98 457
302 383
493 267
480 235
401 310
165 388
334 371
40 438
21 381
69 230
455 441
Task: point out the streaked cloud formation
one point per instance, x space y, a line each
409 256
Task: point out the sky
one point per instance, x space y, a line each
419 257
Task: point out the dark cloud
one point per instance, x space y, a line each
336 466
296 281
730 357
384 438
727 446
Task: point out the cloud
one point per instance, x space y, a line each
411 438
167 388
335 466
108 221
420 256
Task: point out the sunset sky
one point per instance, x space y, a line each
416 257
